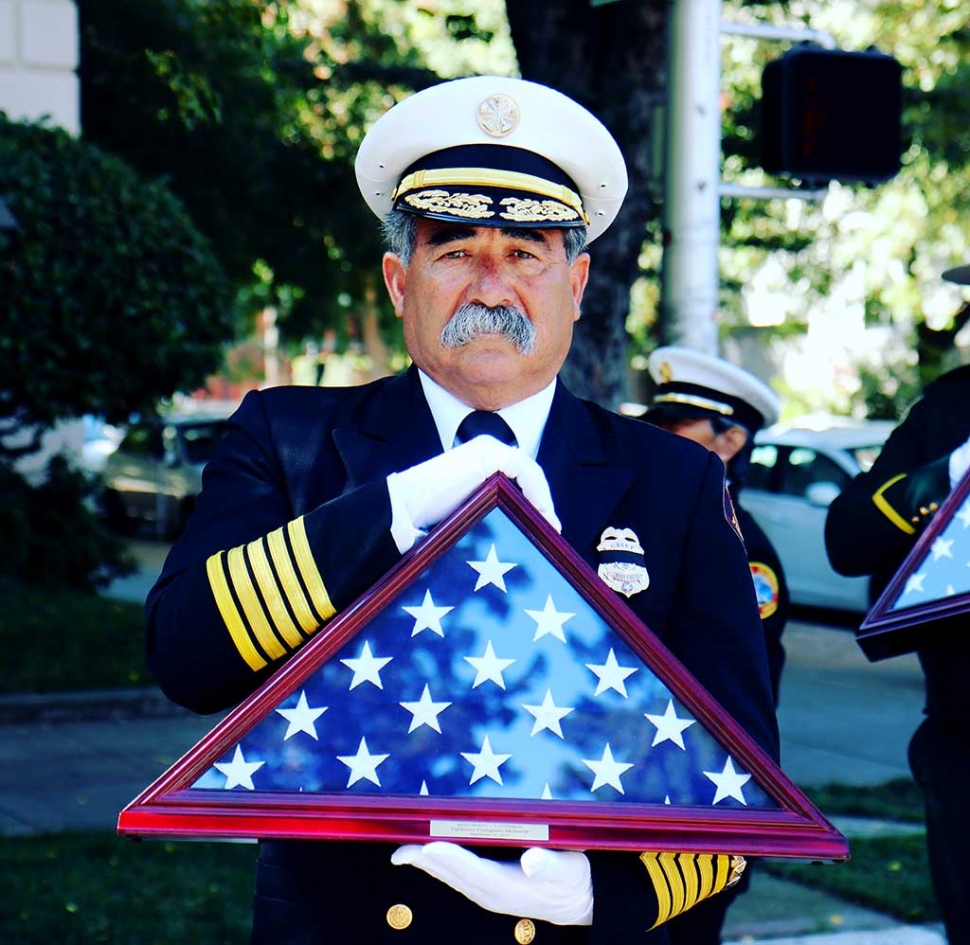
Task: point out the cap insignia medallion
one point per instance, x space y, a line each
666 373
499 115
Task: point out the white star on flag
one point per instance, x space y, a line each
607 770
729 783
548 715
611 675
363 764
915 583
941 548
488 667
367 667
485 762
491 570
301 718
549 621
669 727
239 771
424 711
964 515
427 616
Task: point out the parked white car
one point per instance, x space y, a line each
796 471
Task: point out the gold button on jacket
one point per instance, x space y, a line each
399 917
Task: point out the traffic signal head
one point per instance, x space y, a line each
832 115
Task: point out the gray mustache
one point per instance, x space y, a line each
474 319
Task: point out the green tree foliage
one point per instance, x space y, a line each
252 112
112 298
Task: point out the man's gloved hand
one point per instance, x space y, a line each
959 461
551 885
428 492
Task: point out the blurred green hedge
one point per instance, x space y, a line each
111 297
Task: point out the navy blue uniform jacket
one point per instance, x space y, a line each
874 523
299 480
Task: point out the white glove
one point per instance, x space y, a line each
551 885
959 461
425 494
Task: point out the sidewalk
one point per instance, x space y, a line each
73 762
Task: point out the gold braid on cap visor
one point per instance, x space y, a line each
487 177
694 401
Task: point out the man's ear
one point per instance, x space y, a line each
395 278
730 443
578 277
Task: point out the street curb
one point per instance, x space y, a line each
95 705
903 935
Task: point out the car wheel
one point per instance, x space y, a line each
115 516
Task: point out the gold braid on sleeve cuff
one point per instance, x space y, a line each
682 880
270 594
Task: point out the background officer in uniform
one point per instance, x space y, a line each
870 528
489 190
721 406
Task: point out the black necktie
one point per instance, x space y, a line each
484 422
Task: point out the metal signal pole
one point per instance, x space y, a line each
689 277
692 171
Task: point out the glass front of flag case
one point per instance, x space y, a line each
490 689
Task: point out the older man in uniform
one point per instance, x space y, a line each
489 190
870 528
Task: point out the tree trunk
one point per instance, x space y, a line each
612 60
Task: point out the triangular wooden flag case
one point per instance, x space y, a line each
490 689
929 587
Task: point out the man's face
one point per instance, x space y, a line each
522 269
727 444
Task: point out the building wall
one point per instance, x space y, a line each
38 61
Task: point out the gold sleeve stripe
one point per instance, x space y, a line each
308 569
252 608
271 594
707 875
880 502
669 863
689 870
291 583
723 872
660 888
230 613
682 880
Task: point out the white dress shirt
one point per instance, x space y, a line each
527 420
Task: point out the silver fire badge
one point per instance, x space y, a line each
621 561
